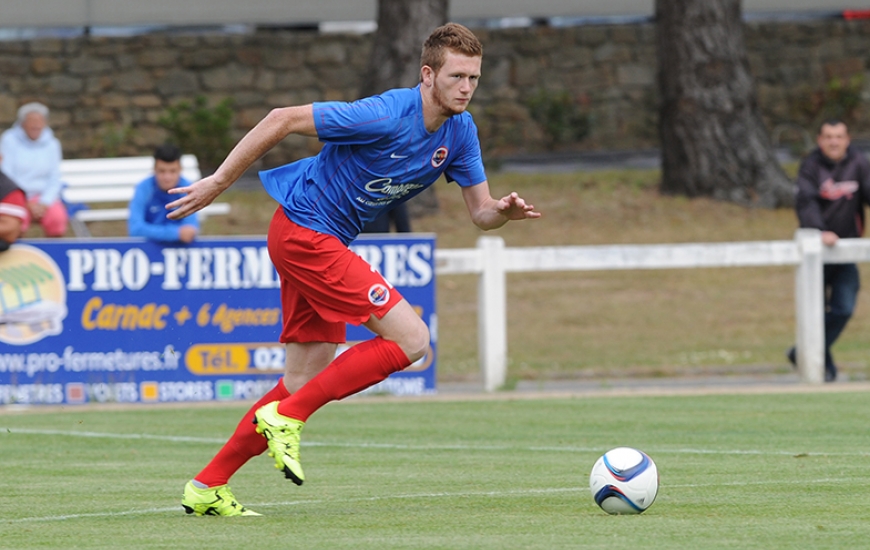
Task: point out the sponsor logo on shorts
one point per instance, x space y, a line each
439 156
379 294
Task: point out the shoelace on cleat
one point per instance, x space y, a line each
292 450
226 500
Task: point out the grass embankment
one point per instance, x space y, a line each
575 324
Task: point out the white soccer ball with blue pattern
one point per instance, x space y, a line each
624 481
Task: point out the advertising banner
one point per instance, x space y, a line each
126 320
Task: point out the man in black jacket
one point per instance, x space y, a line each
833 185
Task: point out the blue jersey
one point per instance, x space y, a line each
148 212
376 152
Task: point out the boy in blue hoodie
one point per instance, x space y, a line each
148 207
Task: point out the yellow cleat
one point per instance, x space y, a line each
214 501
282 436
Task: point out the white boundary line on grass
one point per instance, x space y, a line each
463 494
403 446
107 435
65 517
460 494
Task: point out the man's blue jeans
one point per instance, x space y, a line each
842 282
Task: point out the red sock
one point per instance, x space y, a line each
244 444
363 365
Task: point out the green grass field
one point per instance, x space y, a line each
737 471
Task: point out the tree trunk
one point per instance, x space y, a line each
403 26
713 139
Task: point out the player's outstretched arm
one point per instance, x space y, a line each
489 213
277 125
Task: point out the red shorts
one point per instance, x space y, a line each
323 284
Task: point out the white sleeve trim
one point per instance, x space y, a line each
13 210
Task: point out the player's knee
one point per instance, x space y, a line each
415 343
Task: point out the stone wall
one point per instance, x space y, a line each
107 94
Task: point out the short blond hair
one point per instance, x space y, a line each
453 37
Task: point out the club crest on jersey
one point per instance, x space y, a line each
379 295
439 156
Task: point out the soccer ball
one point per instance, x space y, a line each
624 481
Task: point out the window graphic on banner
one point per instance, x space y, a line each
125 320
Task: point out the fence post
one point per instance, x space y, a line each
492 313
810 306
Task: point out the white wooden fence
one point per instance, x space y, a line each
492 261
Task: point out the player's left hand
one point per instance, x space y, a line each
513 207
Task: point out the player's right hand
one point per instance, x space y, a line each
194 197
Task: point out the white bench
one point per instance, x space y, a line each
92 182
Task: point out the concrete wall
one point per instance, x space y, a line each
103 89
47 13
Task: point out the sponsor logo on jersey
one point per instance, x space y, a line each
389 190
439 156
385 186
379 294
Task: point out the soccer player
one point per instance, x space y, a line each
377 152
